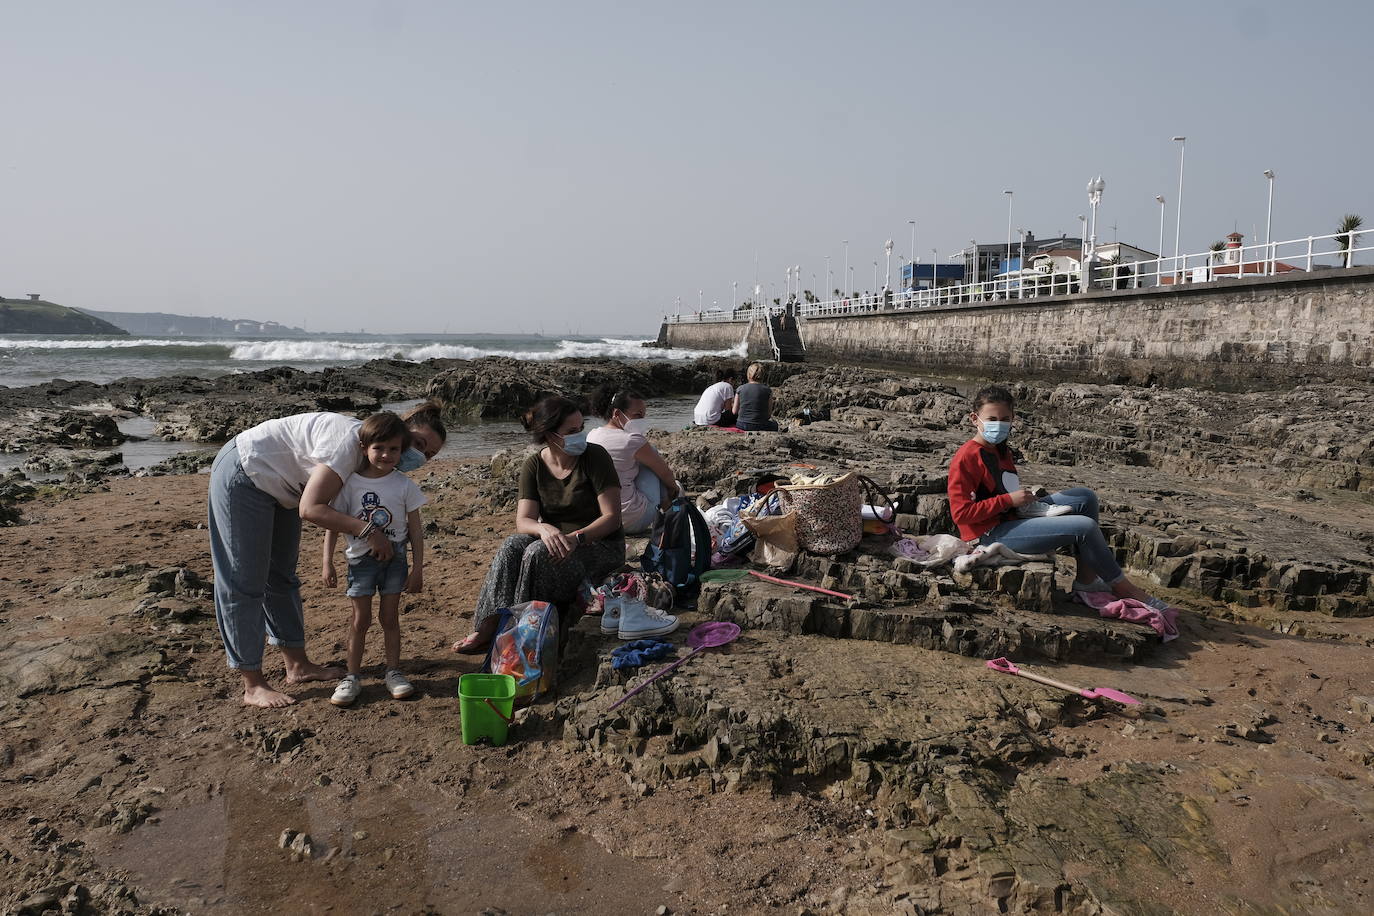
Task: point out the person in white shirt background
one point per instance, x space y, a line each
713 407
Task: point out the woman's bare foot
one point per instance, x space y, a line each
257 692
472 644
309 671
265 697
299 668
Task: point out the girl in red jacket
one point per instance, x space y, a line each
985 494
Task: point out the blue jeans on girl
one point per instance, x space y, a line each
1079 531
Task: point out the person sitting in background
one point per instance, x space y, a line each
753 404
646 482
712 409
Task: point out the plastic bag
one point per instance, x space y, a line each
526 647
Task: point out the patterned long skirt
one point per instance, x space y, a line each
524 570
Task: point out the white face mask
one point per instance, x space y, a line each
638 426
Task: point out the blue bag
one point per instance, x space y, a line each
679 547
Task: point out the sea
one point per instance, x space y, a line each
31 359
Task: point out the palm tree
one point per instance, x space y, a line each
1216 248
1347 237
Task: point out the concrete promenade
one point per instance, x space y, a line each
1228 333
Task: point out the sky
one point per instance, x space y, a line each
579 168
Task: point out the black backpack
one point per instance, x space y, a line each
679 547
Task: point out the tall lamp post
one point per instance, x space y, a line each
1021 266
1159 266
848 275
912 224
1178 203
1009 199
1269 221
1095 188
796 272
828 287
887 281
734 295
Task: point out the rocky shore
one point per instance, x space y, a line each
840 757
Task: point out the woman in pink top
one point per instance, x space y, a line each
646 481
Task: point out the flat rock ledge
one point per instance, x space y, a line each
932 747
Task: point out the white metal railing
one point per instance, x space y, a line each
1313 253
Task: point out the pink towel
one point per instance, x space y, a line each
1164 622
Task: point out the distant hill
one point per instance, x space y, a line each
35 316
162 324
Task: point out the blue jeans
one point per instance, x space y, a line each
1080 531
368 576
646 482
254 542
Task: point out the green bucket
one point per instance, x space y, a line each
485 705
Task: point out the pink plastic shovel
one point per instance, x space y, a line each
1104 693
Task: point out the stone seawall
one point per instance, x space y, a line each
718 335
1231 334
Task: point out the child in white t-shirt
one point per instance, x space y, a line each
389 501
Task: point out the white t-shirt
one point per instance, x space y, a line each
713 401
384 500
280 454
622 447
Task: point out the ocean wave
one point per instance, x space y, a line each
295 351
108 343
345 351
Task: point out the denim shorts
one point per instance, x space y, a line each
368 576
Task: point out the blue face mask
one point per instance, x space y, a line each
996 431
575 443
411 459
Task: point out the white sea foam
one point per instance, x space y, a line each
289 351
104 343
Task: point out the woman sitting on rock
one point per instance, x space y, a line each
986 500
753 405
567 522
646 482
263 483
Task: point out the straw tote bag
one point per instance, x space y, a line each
829 512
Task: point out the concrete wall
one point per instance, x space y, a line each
1232 333
718 335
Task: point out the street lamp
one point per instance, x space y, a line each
1178 204
848 289
1009 198
1021 265
1269 221
796 273
887 282
734 295
912 224
699 303
973 245
875 275
848 274
1095 188
827 275
1159 267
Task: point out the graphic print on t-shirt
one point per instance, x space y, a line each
373 511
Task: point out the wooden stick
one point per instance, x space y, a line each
809 588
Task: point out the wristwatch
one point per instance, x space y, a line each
581 539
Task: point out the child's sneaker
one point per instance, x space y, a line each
610 613
638 620
347 691
1038 509
397 685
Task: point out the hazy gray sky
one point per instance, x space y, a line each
411 166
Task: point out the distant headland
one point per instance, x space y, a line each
34 315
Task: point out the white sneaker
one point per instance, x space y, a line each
610 613
397 684
1038 509
347 691
638 620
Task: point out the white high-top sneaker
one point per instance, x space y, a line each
638 620
610 613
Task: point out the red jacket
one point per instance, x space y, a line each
977 501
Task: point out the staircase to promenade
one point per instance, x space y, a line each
786 338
